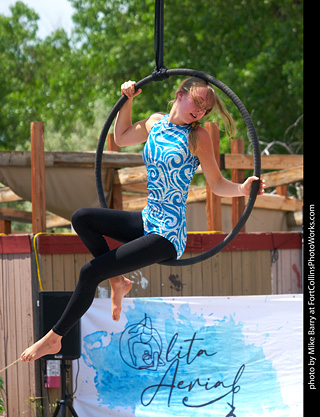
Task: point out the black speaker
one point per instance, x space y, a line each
52 305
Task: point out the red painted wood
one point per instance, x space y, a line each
202 242
196 243
54 244
15 244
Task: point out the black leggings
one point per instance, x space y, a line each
138 251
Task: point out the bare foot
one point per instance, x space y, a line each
120 286
48 345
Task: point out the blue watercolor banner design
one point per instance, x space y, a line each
193 357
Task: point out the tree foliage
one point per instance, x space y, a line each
253 47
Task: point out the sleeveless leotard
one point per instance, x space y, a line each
170 169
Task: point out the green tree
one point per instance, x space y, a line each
43 80
18 39
253 47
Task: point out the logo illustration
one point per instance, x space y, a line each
141 346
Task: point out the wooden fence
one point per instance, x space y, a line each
253 264
17 323
125 180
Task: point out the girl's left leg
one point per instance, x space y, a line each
141 252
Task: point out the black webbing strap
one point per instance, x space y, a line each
160 70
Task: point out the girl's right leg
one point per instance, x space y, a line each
91 224
138 253
141 252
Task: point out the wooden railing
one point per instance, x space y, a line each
125 182
289 170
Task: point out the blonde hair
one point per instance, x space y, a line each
190 85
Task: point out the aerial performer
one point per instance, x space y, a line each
175 145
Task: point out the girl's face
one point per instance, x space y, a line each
192 107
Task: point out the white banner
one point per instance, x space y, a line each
197 356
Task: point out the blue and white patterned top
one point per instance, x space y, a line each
170 169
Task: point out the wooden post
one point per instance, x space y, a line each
213 204
38 187
116 189
5 226
282 190
237 175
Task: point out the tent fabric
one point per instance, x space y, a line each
67 189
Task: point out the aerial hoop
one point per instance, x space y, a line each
252 136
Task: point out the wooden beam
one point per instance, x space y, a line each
38 187
116 189
14 215
198 194
108 185
139 188
277 202
117 197
21 216
5 227
237 176
111 144
126 159
138 174
283 177
282 190
134 203
213 202
72 159
133 175
267 161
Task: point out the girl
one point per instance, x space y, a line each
176 145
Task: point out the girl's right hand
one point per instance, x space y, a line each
128 89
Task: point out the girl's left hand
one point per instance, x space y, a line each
246 186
